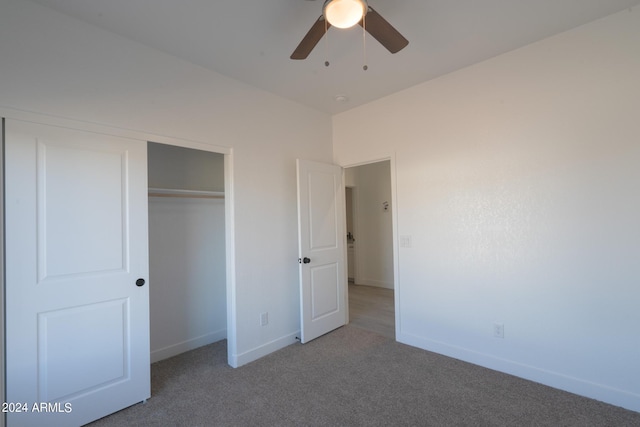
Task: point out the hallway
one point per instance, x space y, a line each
372 308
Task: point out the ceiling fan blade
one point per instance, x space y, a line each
311 39
384 32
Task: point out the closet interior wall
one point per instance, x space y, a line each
186 249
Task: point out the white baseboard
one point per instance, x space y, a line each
193 343
601 392
258 352
376 283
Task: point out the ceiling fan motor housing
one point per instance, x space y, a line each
344 13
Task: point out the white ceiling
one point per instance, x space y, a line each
251 40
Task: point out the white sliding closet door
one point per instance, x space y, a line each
77 343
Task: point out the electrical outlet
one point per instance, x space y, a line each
264 319
498 330
405 241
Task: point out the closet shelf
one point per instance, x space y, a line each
194 194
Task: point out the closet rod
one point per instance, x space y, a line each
193 194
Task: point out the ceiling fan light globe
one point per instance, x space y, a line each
344 13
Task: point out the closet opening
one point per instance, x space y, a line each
187 262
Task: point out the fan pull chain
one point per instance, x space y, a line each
365 67
326 43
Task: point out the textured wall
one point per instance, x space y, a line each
517 180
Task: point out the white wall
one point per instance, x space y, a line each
180 168
373 234
187 294
517 180
55 65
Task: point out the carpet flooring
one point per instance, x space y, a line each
352 377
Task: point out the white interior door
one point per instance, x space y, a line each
77 329
321 242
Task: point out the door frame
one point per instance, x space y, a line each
2 275
354 214
394 226
141 136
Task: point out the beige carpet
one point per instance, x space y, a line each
352 377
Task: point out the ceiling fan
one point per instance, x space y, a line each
345 14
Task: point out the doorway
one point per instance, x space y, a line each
187 296
370 249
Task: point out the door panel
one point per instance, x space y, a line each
323 217
322 241
78 241
77 324
67 331
324 291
